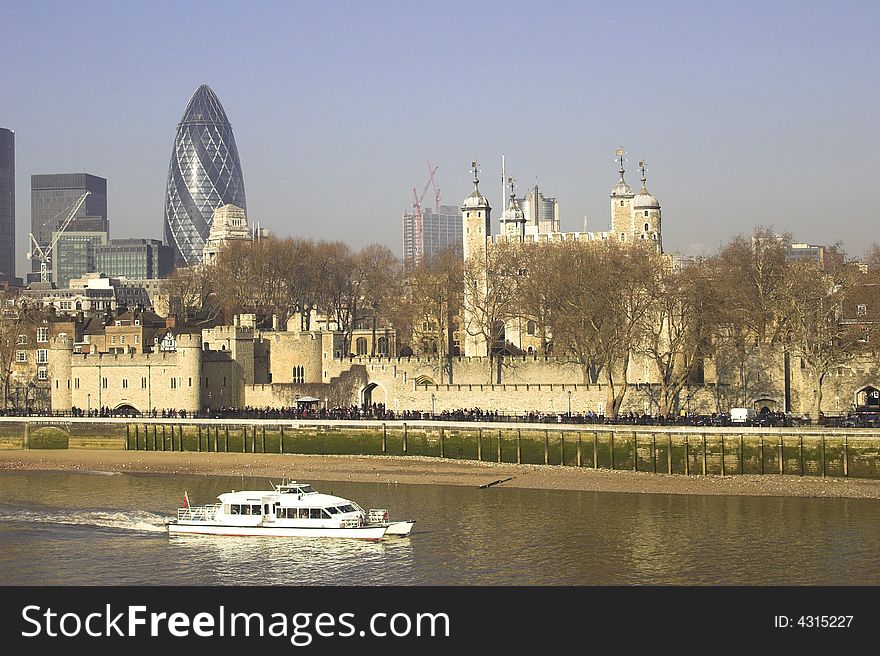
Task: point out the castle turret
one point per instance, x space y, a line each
622 226
646 214
59 368
513 221
189 372
475 217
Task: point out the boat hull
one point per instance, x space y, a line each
357 533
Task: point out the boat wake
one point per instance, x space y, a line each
145 522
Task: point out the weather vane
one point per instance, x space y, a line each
620 156
474 167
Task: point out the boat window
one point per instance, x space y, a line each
281 513
326 513
255 509
303 513
233 509
347 508
334 510
315 513
307 489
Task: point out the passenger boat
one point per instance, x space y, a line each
290 509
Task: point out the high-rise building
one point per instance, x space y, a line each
205 173
541 213
139 259
438 231
74 255
79 253
7 204
52 198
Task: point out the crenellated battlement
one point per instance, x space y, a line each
90 359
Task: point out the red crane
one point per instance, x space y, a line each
417 211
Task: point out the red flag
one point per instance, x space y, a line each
185 500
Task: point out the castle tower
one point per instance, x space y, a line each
475 217
622 226
646 214
189 370
60 372
513 221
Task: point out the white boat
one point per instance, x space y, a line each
291 509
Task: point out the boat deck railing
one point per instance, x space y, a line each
198 513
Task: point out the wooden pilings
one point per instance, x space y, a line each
704 454
781 455
635 451
718 452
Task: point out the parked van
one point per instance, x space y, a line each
742 415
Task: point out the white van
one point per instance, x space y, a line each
741 415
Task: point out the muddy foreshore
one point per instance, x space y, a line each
431 471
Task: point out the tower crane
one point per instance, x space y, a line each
45 256
417 210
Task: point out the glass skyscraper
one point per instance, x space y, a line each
205 173
52 198
7 204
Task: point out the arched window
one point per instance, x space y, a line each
531 328
647 227
646 212
361 346
382 346
621 203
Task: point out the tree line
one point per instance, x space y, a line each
595 304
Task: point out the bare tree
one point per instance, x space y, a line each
491 297
811 317
191 294
750 276
435 299
678 329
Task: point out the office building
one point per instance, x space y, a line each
436 232
7 205
204 174
54 196
134 259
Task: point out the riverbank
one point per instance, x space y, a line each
431 471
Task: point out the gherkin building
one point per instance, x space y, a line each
205 173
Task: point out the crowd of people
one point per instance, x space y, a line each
378 411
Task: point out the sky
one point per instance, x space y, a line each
747 113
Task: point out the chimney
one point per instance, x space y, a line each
275 322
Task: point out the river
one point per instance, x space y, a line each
100 528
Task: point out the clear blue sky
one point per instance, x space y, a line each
748 113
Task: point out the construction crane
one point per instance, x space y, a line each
417 211
45 256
